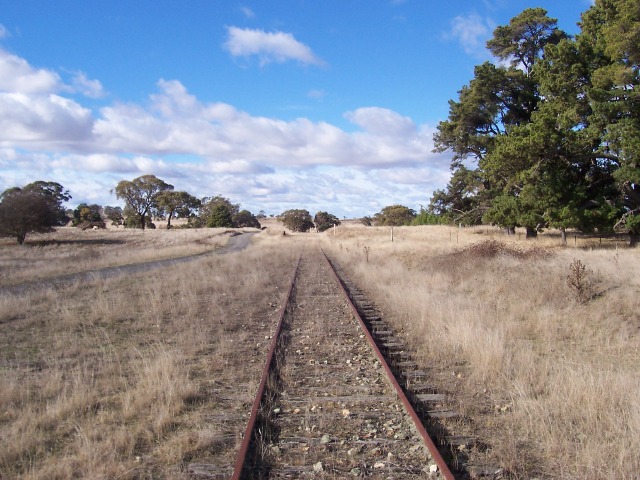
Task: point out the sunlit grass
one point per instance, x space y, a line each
561 373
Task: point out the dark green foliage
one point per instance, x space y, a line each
296 220
245 219
463 201
524 39
556 136
114 214
174 204
219 216
141 198
217 212
36 208
324 221
425 217
84 215
394 216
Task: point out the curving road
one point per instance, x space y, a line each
235 244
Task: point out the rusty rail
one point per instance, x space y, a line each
433 450
240 464
248 434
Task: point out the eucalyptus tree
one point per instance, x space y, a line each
217 212
177 205
297 220
141 197
394 216
34 208
324 221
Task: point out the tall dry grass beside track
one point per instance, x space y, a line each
71 250
125 377
550 378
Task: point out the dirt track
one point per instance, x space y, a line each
236 243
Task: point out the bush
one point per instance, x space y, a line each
324 221
580 281
245 219
394 216
297 220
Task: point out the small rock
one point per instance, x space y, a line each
355 472
317 467
325 438
296 410
378 465
433 468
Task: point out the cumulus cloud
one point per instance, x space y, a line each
87 87
382 122
471 32
17 76
50 119
268 47
210 148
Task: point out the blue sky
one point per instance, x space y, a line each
324 105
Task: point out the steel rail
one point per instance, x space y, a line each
248 434
437 457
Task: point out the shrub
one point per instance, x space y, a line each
580 281
297 220
324 221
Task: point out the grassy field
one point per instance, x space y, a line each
538 343
119 378
70 250
132 377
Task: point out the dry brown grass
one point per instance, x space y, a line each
71 250
551 379
120 378
128 377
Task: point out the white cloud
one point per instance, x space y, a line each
471 32
49 119
17 76
247 12
213 148
382 122
277 47
89 88
4 33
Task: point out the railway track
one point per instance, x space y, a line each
329 405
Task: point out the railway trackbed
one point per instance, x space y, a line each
340 396
328 408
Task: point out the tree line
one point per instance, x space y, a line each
550 135
38 208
